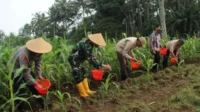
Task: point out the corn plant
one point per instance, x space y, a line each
117 89
147 62
106 85
13 96
190 48
62 100
57 73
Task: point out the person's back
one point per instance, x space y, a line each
122 43
15 58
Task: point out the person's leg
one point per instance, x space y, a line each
165 59
157 61
123 68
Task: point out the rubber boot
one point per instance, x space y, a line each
81 90
87 89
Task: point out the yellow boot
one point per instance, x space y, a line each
81 90
87 89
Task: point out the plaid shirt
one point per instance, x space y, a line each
155 38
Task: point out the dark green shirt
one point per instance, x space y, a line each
83 51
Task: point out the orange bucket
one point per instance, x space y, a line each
163 51
174 60
135 65
43 86
97 74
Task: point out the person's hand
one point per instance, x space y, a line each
108 67
134 59
173 55
153 51
39 86
41 78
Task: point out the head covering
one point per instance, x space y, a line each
97 39
158 29
142 40
38 45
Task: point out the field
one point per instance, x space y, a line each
174 89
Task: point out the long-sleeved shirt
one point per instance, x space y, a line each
171 45
83 51
155 39
125 47
22 57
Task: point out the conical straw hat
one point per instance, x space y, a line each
39 45
97 39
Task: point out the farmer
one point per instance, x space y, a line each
155 38
173 48
24 57
124 48
83 51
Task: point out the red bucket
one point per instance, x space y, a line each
43 87
97 74
163 51
135 65
174 60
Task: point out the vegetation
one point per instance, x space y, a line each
63 92
66 18
175 88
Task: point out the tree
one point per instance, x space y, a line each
2 35
39 24
162 18
26 30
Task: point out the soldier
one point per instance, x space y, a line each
83 51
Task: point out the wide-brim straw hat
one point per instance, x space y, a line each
143 41
38 45
97 39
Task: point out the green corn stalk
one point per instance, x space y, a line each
117 88
10 102
147 62
62 99
107 83
57 71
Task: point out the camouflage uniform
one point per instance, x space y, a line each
82 51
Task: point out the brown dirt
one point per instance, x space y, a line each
140 96
166 83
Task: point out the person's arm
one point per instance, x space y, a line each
127 49
132 53
171 49
38 66
151 44
23 60
92 59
